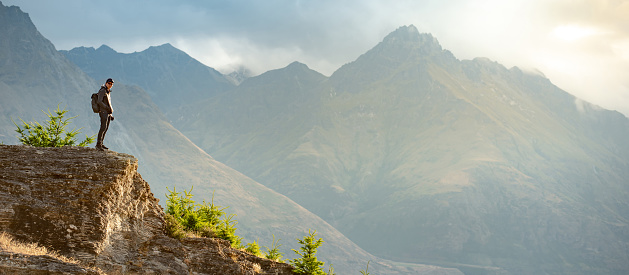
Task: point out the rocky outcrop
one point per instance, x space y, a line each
95 207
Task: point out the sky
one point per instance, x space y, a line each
582 46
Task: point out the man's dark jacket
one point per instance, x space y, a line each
104 101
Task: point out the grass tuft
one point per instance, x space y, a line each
8 244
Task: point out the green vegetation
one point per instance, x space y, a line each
308 263
331 270
227 231
184 216
253 248
50 135
274 253
173 227
366 271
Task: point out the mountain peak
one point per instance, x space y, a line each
106 49
82 49
405 45
297 65
19 25
410 34
15 16
404 31
294 70
166 49
297 68
166 46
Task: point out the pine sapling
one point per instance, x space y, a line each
253 248
308 263
50 134
274 253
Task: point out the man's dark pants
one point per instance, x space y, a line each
104 125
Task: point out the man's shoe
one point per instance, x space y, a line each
104 147
99 147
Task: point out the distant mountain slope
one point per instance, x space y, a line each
273 100
461 163
170 76
35 76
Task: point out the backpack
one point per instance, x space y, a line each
95 106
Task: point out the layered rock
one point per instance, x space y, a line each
95 207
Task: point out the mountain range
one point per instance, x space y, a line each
414 155
450 162
34 77
170 76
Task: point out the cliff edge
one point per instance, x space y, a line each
94 207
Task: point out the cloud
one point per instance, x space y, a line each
586 51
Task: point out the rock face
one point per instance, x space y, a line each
95 207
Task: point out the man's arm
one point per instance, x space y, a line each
101 104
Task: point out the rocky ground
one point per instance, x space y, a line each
94 207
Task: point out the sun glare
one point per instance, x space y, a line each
573 32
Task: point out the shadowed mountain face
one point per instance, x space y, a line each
34 76
420 157
170 76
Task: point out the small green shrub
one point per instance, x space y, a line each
185 211
274 253
173 228
226 230
50 134
206 232
253 248
201 219
308 263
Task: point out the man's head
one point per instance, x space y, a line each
109 83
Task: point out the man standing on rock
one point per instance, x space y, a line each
105 112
